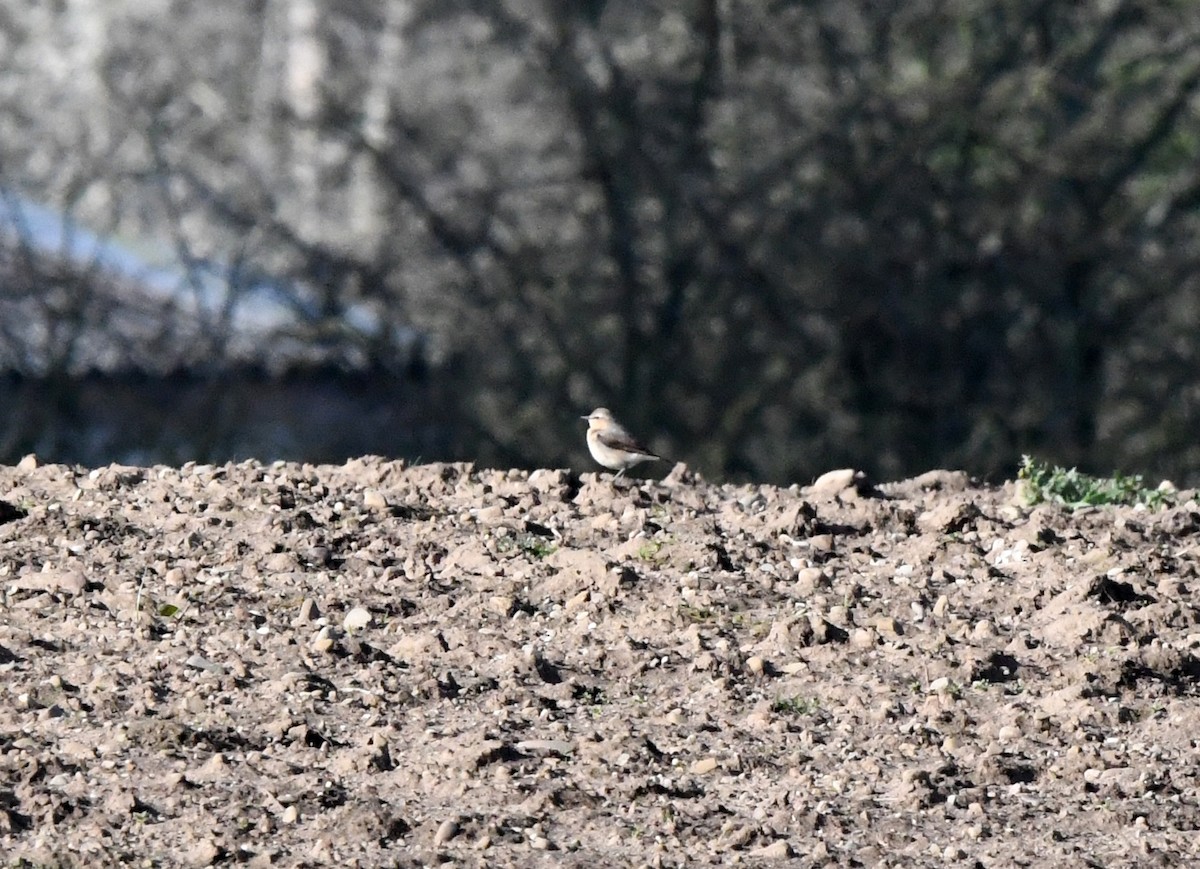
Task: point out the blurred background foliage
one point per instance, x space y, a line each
774 237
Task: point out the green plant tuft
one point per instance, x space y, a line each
796 705
1043 483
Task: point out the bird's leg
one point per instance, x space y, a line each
619 473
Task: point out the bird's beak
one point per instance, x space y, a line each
585 417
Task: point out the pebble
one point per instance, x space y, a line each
832 482
202 663
445 832
809 579
821 542
863 638
777 850
356 619
373 499
203 853
280 562
704 766
755 664
290 814
887 626
548 746
502 604
308 612
983 630
323 642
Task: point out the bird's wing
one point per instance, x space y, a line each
622 440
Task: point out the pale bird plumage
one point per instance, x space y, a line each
612 445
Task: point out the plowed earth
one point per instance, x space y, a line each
379 665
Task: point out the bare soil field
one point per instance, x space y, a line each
377 665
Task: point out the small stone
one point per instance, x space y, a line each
308 612
577 601
323 642
373 499
214 768
1008 733
777 850
755 664
203 853
547 479
948 518
940 685
546 746
734 839
753 502
941 605
760 719
983 630
290 814
201 663
356 619
887 626
71 582
821 542
280 562
832 482
74 749
502 605
445 832
704 766
863 638
809 579
28 463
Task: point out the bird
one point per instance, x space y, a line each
612 445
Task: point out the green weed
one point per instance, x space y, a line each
796 705
1043 483
530 544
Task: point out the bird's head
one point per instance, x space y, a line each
599 419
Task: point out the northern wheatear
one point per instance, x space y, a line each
611 445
